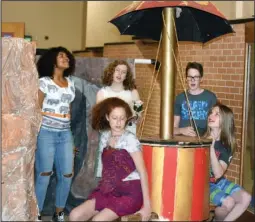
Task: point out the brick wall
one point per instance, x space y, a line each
89 53
223 62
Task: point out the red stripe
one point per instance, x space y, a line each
168 186
200 172
147 155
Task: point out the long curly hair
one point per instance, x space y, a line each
128 83
105 107
48 61
227 126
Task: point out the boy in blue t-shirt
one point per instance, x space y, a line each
201 101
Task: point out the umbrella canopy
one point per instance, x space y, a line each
195 20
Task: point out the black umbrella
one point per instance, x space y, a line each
195 21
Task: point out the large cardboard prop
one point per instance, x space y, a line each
21 119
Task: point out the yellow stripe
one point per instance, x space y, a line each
157 179
184 184
207 189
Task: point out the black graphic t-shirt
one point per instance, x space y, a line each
223 153
200 105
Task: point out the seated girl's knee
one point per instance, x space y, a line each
246 197
228 202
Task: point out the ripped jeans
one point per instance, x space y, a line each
54 147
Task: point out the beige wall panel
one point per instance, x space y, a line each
228 8
60 20
236 9
98 30
248 9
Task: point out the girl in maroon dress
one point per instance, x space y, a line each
123 188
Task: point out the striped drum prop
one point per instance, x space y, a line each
178 174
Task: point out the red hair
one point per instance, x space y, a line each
105 107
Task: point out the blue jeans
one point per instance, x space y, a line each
54 147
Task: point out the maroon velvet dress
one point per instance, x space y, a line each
122 197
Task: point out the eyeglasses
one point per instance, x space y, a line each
193 78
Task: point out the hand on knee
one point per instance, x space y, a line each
228 203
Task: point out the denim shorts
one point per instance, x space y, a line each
222 189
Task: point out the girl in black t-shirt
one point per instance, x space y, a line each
230 198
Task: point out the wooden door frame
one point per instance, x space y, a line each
249 32
16 29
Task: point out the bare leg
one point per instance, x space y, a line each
83 212
105 215
222 211
242 201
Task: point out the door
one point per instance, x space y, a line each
247 171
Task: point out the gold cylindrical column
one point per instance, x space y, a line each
168 67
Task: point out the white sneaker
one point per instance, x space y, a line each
58 217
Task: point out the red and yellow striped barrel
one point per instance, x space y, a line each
178 173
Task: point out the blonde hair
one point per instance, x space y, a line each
227 126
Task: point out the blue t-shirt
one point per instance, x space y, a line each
200 105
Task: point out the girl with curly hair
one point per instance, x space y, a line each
123 188
55 140
231 200
119 82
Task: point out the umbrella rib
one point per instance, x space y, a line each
195 23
